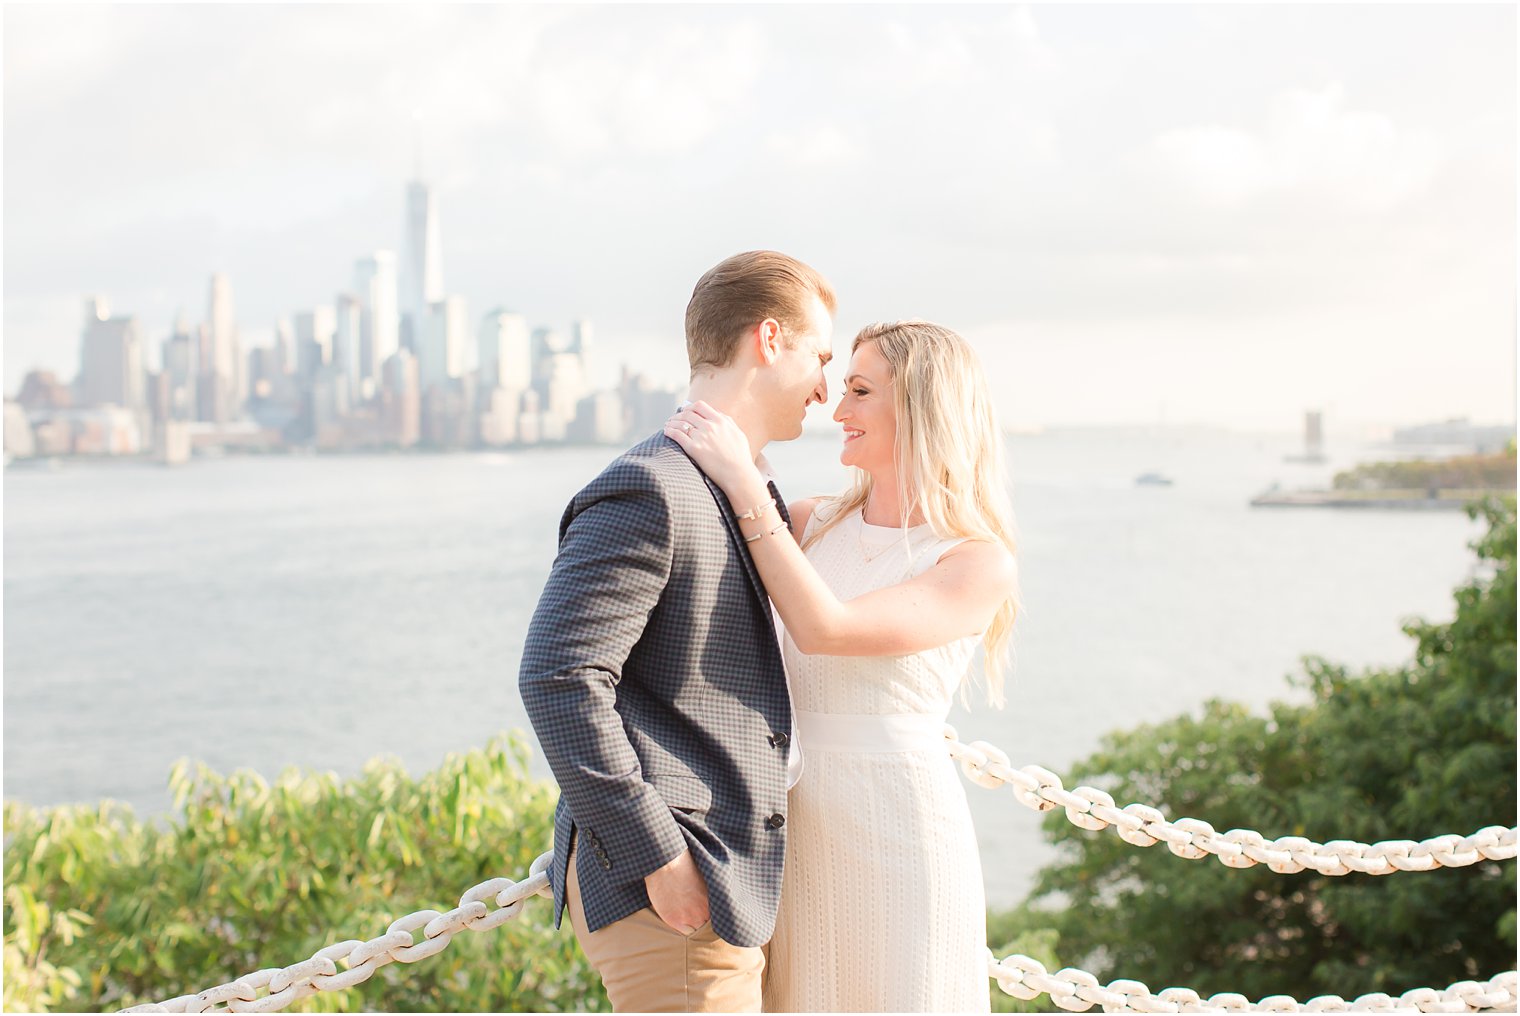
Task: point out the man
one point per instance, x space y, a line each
653 678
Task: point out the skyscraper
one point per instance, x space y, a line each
345 346
110 359
422 262
506 351
440 342
315 331
375 284
581 343
180 368
283 358
220 368
402 400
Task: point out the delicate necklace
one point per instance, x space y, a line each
907 542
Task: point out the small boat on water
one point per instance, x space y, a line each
1153 480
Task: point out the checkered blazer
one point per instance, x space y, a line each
652 677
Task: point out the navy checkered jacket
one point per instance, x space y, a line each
652 677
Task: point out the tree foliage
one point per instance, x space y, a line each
1494 471
105 911
1404 753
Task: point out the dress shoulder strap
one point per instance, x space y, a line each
930 555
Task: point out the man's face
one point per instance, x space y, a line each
798 377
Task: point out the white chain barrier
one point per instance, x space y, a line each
1078 991
1142 825
1018 975
320 973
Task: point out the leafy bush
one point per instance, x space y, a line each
1403 753
105 911
1464 472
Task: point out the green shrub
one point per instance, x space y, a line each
1403 752
103 910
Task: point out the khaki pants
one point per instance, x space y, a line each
648 966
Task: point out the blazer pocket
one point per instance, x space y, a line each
681 791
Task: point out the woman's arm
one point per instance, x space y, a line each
955 598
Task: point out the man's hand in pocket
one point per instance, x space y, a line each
678 894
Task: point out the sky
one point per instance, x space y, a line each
1222 215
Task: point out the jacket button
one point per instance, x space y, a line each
779 740
606 864
776 821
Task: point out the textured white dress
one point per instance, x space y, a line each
882 904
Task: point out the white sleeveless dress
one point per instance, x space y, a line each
882 904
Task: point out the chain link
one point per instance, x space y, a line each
1077 991
320 972
1089 808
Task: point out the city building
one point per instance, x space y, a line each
284 343
329 400
110 359
401 400
646 406
41 390
440 345
528 419
92 430
599 419
315 331
559 377
347 327
448 418
499 412
20 443
1456 432
379 325
180 367
223 385
505 351
422 259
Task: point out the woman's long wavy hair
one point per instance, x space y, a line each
949 451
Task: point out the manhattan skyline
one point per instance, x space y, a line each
1217 215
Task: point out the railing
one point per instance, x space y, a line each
1018 975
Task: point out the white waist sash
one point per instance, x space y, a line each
868 732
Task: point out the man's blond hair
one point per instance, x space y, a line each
738 293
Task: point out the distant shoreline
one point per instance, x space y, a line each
1395 500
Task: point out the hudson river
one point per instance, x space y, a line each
265 612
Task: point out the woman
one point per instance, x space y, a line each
885 593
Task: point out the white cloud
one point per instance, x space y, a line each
663 95
1309 142
1026 43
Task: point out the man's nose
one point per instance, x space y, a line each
820 393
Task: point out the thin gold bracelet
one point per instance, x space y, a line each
762 534
754 513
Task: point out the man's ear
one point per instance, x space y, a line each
768 342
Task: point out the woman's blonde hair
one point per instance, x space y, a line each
949 454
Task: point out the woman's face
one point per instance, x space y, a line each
868 412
